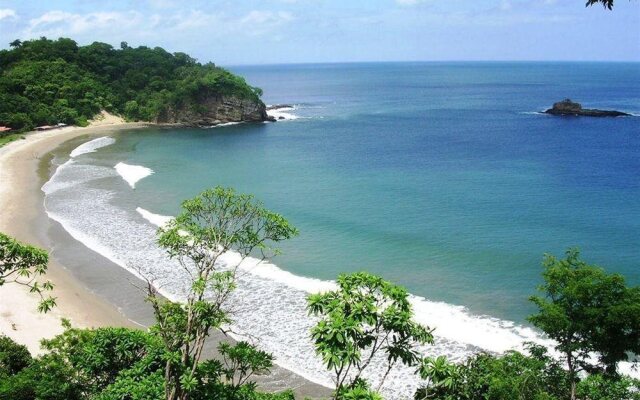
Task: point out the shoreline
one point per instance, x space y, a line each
24 218
88 287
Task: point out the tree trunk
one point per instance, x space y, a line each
572 376
169 390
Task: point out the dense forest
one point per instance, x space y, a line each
45 82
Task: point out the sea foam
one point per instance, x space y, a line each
132 173
225 124
155 219
283 114
92 146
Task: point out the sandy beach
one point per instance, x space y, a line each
90 290
23 218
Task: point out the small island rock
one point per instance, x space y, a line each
568 107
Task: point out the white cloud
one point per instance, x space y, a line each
137 27
7 13
60 23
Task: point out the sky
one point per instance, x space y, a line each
237 32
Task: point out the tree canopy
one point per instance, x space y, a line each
589 313
22 264
45 82
215 222
116 364
365 316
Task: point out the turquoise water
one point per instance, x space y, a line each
440 177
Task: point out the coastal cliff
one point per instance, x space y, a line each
215 109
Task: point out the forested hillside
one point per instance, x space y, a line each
44 82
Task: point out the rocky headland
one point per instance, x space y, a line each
568 107
216 110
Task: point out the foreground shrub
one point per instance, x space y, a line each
601 387
13 357
484 376
121 363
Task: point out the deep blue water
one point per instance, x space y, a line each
439 176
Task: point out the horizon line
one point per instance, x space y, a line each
428 62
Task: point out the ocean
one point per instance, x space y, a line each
442 177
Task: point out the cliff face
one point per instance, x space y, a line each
216 110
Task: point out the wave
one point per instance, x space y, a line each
92 146
223 125
283 113
541 112
155 219
132 173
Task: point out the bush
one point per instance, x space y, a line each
600 387
485 376
47 378
120 363
14 357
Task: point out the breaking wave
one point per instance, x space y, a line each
132 173
92 146
283 113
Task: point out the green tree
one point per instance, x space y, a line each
586 311
365 316
117 364
84 363
601 387
22 264
442 377
13 357
131 109
242 361
213 223
358 390
510 376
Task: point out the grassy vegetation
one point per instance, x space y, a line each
10 138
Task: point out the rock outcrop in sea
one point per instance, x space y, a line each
568 107
216 110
